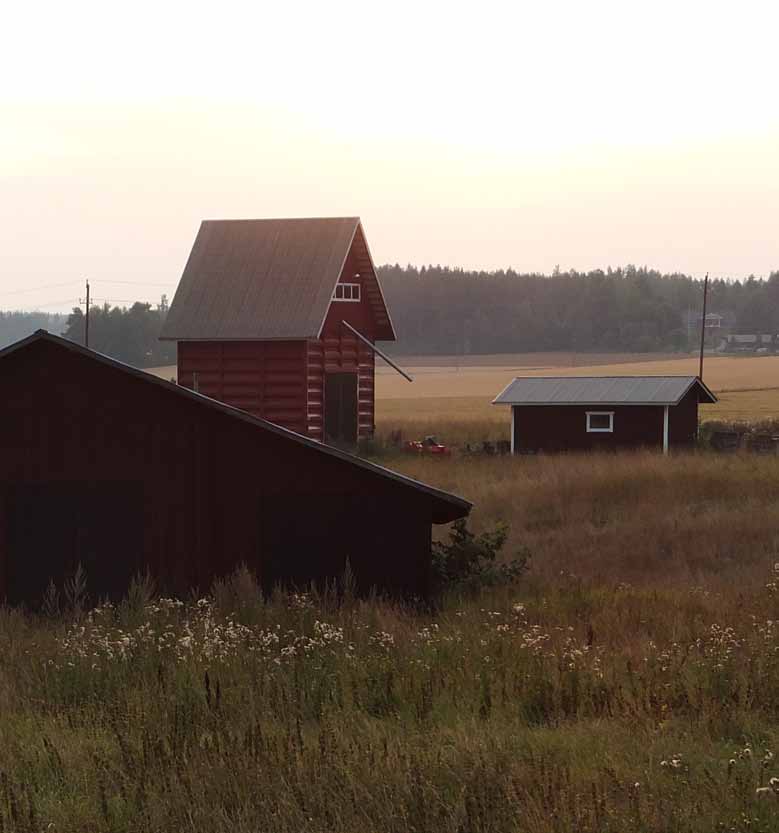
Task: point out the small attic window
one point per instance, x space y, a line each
347 292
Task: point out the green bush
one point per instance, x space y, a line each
469 562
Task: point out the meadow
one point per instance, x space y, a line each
628 682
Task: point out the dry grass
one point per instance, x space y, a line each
722 373
628 684
640 517
455 404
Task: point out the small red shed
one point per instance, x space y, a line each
110 467
280 318
577 413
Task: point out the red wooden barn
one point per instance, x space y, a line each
279 318
575 413
105 465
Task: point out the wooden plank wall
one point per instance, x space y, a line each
265 378
202 475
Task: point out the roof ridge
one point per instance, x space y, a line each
354 218
620 376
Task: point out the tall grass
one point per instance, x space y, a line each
687 518
629 683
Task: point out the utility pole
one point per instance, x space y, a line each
86 317
703 323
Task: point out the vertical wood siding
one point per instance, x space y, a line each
202 476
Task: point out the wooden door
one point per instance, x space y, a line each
341 408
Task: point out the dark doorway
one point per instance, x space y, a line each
55 527
341 407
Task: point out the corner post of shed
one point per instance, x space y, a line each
513 424
665 429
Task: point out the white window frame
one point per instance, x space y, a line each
609 430
348 292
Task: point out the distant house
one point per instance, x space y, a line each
122 472
750 342
280 318
553 414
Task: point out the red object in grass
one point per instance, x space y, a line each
429 446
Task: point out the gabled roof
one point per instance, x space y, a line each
601 390
269 279
446 507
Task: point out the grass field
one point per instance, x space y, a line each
748 390
452 389
629 682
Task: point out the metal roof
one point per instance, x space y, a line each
446 506
269 279
600 390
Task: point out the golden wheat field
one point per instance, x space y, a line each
748 387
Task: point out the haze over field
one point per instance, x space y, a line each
527 135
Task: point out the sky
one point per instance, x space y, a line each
482 135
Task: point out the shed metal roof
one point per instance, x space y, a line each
600 390
269 279
445 506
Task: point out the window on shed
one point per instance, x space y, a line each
600 422
346 292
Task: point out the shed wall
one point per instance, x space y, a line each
683 421
564 428
203 480
340 351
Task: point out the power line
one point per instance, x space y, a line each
40 288
51 304
135 283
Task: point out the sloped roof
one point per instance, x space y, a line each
269 279
601 390
446 507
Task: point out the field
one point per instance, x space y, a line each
628 682
747 387
459 389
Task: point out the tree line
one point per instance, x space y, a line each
439 310
450 311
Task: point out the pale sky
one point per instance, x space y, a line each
482 135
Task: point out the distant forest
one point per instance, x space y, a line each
437 310
129 334
451 311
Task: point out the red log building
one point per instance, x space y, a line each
279 318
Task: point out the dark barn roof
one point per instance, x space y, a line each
601 390
269 279
445 507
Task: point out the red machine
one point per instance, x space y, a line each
429 445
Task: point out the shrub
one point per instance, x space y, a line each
470 561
